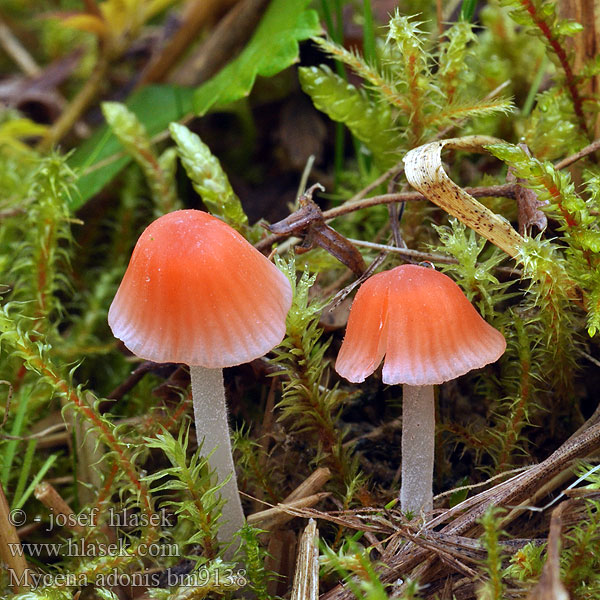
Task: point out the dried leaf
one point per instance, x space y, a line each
528 204
308 222
424 171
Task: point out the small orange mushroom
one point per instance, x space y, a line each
196 292
419 322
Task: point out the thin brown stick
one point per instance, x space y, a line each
418 255
507 191
569 160
35 436
9 542
49 497
392 171
196 15
277 516
77 106
92 7
439 17
13 47
231 33
133 379
306 577
309 486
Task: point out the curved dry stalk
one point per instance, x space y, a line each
77 106
425 172
506 190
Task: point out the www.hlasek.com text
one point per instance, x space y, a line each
81 548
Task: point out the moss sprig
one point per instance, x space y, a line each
409 100
158 170
44 245
198 501
308 405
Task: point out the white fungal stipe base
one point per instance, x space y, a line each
418 445
212 428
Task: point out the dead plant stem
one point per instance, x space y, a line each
78 105
507 190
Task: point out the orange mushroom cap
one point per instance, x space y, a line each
196 292
423 324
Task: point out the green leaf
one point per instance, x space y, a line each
11 133
467 10
273 47
567 28
208 177
102 156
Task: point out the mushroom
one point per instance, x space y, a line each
196 292
428 332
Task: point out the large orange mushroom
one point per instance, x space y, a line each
419 322
196 292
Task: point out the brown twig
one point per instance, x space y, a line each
91 7
421 256
310 485
13 47
305 495
391 172
195 15
395 211
231 32
569 160
507 191
277 516
77 106
439 17
50 498
9 542
133 379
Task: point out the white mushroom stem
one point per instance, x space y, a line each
212 430
418 445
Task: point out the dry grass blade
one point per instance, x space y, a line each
467 514
281 514
9 540
550 587
305 495
424 171
306 579
310 485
